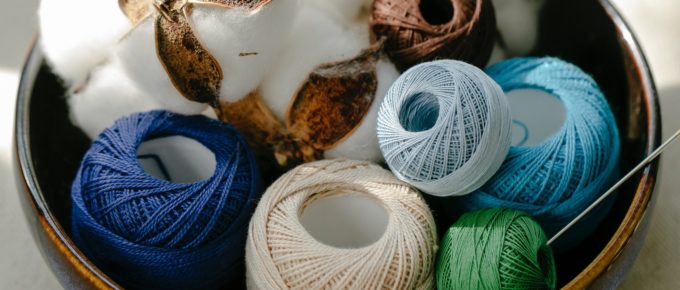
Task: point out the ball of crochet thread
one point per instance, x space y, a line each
556 180
424 30
155 234
281 254
444 127
495 249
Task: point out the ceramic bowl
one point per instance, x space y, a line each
589 33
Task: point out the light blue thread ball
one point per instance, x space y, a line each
444 127
556 180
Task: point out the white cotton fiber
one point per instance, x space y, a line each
518 24
77 35
344 11
363 143
316 39
210 113
228 33
137 55
109 95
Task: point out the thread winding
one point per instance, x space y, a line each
495 249
556 180
281 254
150 233
444 127
424 30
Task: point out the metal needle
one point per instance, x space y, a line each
611 190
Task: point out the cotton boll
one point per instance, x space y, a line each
137 54
316 39
228 33
363 143
77 35
245 44
518 24
108 96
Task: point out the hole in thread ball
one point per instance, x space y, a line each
532 126
419 112
436 12
344 220
176 159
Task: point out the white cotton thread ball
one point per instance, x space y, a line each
315 39
281 253
77 35
444 127
228 34
363 143
517 22
107 96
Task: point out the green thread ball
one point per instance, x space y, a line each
495 249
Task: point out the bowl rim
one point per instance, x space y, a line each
642 199
596 268
24 164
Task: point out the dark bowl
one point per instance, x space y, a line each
589 33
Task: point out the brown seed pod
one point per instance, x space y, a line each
193 70
266 135
330 104
254 120
334 99
423 30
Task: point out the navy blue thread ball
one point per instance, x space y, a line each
146 232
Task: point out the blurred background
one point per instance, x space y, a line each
656 23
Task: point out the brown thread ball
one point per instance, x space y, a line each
424 30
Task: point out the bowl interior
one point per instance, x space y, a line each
579 31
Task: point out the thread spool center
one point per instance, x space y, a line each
345 221
419 112
529 125
436 12
177 159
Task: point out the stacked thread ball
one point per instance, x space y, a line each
444 127
556 180
150 233
424 30
495 249
281 254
